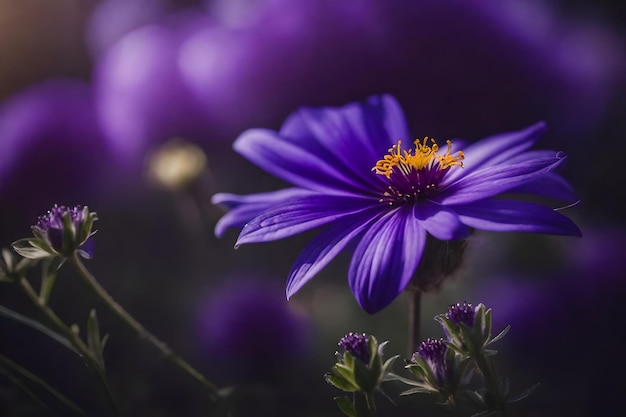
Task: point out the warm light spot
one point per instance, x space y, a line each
424 156
176 163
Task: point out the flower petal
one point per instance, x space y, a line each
357 134
386 258
442 223
516 216
550 185
325 246
291 162
298 215
493 180
497 149
243 208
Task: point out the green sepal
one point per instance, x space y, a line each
339 382
69 243
453 330
488 323
85 230
346 406
32 248
365 377
501 334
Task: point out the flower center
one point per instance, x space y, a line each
415 174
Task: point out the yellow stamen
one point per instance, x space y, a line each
425 155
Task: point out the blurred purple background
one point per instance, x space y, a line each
131 107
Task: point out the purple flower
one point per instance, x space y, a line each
388 204
357 345
141 98
248 330
51 150
459 66
462 313
433 351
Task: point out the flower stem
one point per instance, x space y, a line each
415 302
364 404
81 348
493 395
122 314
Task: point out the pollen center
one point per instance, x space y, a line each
414 174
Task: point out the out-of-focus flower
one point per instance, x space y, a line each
51 149
207 76
60 232
141 99
459 67
388 204
249 331
110 20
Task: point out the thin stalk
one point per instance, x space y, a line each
415 304
70 335
485 365
364 404
138 328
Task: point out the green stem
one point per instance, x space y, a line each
415 302
71 336
122 314
492 383
364 404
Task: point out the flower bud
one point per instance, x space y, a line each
60 232
468 328
361 367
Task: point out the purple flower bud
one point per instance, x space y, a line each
433 351
462 313
357 345
61 231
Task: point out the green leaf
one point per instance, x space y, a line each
28 249
43 384
15 316
524 394
487 333
344 372
346 406
96 345
501 334
341 383
420 389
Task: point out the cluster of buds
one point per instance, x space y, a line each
447 367
61 232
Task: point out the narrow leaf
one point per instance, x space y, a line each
15 316
37 380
